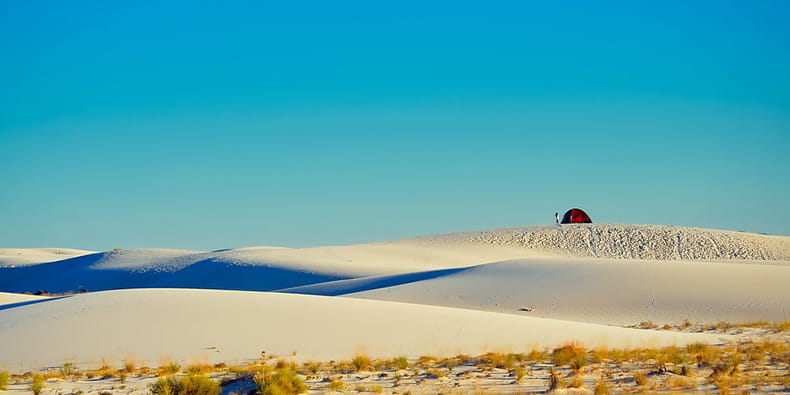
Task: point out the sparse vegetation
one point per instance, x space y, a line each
3 380
337 385
602 389
759 364
37 385
168 369
282 381
361 362
563 355
188 385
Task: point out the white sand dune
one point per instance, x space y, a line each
613 292
255 269
269 268
7 298
621 241
659 273
151 325
25 256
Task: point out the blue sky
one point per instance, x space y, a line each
183 125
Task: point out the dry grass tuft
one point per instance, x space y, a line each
563 355
361 363
4 380
282 381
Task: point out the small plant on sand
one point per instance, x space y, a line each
280 382
3 380
399 363
640 378
376 389
576 382
535 356
519 373
555 381
129 366
361 362
313 367
189 385
577 363
38 384
199 368
67 369
337 385
563 355
602 389
168 369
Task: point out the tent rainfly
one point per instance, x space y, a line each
576 216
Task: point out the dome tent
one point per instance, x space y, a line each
576 216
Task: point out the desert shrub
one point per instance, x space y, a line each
681 382
563 355
168 369
640 378
375 388
555 381
519 373
285 364
38 384
426 361
67 369
399 363
600 354
361 362
199 368
129 366
602 389
648 325
435 373
576 382
577 363
536 356
337 385
280 382
3 380
313 367
188 385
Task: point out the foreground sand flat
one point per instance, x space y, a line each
225 326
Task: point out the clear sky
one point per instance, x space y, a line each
202 125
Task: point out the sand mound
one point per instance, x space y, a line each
150 325
612 292
10 257
618 241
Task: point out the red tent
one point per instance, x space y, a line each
576 216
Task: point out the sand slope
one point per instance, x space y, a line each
269 268
24 256
611 292
620 241
153 324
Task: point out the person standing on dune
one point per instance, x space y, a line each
557 218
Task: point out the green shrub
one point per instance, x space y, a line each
3 381
281 382
189 385
38 384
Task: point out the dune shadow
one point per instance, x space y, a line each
28 302
343 287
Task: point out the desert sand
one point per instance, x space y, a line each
509 289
